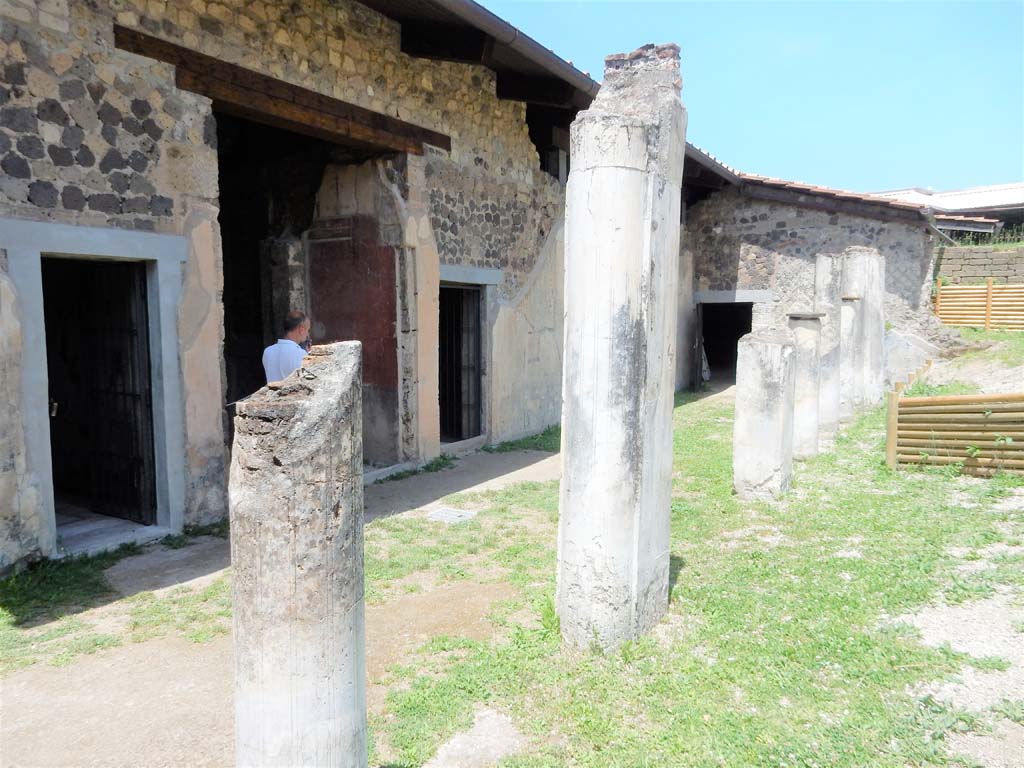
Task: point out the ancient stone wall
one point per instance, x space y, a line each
482 221
739 243
93 135
977 263
23 534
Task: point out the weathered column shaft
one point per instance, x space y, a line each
806 328
827 300
296 498
874 329
848 371
864 279
762 452
621 272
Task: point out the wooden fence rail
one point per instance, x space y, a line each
983 433
987 306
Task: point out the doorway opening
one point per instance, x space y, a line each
268 181
101 410
459 370
723 325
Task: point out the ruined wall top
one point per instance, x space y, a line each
641 89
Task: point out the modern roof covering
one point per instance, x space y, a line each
748 182
996 197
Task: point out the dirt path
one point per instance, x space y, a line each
168 701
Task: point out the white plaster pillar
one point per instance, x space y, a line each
621 292
762 445
296 500
848 370
827 289
806 328
874 329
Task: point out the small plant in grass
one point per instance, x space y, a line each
1011 710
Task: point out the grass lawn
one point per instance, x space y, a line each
779 648
774 651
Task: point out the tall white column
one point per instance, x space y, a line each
806 328
827 301
621 273
848 362
296 499
762 437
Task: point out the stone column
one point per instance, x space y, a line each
806 328
621 272
848 362
827 290
874 329
762 438
296 499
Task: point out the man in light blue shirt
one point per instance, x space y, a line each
282 358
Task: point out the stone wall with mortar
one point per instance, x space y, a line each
740 243
93 135
23 532
975 264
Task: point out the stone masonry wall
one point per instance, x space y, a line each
481 221
740 243
96 136
977 263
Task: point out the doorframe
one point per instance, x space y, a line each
487 280
26 242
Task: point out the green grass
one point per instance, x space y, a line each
775 653
1007 349
437 464
36 608
200 615
549 440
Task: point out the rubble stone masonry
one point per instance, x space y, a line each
738 243
96 136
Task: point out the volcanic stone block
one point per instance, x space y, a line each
621 274
296 500
762 440
827 300
806 328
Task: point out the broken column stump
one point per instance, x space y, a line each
827 300
621 275
762 438
296 499
806 328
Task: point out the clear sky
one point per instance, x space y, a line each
864 96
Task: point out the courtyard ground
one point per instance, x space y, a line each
872 618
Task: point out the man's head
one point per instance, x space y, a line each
296 326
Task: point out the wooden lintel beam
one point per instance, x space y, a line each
442 42
249 94
549 91
803 199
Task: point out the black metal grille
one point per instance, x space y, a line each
459 362
97 353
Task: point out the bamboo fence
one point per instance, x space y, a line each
988 306
983 433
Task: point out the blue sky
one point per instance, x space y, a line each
857 95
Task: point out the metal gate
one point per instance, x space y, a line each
459 362
101 411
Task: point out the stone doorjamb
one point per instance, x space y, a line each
26 242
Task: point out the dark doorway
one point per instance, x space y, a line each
101 412
268 181
722 326
459 362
